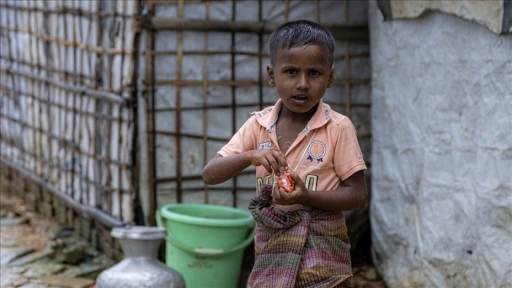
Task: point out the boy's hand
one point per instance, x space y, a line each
271 159
281 197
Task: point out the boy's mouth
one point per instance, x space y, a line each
300 97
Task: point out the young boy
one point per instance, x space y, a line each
301 238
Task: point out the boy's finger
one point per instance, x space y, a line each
273 164
296 177
280 158
275 167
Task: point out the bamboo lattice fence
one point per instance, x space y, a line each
67 111
110 109
204 72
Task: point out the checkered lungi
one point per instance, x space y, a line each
303 248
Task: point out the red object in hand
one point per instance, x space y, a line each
285 180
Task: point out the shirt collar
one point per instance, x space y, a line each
268 116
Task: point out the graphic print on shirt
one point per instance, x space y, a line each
316 151
311 182
264 145
263 181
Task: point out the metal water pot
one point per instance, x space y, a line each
140 266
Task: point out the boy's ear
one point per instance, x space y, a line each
271 75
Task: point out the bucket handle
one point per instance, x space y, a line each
204 251
212 251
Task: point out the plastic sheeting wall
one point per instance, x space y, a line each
441 211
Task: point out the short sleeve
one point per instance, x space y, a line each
348 156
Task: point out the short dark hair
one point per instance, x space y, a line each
300 33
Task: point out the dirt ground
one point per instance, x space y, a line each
365 273
34 232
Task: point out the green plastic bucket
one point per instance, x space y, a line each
205 242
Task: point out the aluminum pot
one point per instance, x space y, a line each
140 266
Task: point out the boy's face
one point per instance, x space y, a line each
301 76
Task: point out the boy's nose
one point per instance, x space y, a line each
302 82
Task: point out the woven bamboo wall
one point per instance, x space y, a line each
108 104
202 73
66 108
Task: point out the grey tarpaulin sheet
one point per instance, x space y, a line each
441 209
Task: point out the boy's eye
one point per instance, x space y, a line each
291 72
294 72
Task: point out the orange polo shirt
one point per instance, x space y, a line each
325 153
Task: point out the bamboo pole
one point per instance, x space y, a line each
243 83
261 79
346 47
74 173
136 171
205 103
233 95
70 43
66 10
179 71
102 95
149 95
88 212
340 31
96 149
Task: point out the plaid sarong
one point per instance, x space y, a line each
299 248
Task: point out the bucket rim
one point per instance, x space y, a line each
169 215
